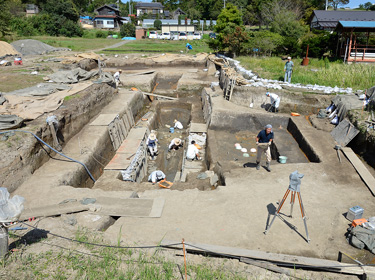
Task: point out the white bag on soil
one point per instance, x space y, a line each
10 208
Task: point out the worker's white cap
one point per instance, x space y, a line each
268 126
289 57
159 174
175 121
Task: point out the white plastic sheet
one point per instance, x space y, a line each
10 208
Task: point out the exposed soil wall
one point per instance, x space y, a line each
23 154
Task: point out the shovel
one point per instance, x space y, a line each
337 148
252 102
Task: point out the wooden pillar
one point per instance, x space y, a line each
350 45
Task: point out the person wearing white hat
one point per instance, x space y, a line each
116 76
176 143
288 69
275 101
156 176
178 124
264 141
152 145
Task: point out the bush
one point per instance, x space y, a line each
100 34
127 30
320 42
157 24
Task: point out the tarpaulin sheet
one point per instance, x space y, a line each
31 107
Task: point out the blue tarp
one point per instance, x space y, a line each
128 38
85 17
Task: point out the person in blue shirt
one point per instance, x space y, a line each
288 69
264 141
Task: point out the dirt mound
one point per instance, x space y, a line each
33 47
7 49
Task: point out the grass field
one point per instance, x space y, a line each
155 45
64 260
319 71
77 43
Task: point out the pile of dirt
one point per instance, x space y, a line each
7 50
34 47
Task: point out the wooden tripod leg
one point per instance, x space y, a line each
303 216
278 210
292 200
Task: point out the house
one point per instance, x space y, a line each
328 20
31 10
178 12
178 28
149 23
109 17
154 9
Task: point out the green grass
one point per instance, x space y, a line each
79 261
76 43
161 46
356 76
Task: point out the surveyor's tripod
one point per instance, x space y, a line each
292 200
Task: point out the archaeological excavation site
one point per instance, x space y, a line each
79 150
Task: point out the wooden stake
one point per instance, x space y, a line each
183 248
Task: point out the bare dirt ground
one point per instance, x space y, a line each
236 214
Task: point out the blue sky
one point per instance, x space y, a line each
355 3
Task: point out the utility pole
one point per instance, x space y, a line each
326 5
129 8
224 4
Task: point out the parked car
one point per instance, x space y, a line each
212 35
174 35
197 36
165 36
153 35
190 35
182 36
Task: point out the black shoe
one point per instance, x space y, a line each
268 167
258 166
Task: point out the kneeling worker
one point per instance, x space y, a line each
156 176
264 141
275 101
178 124
175 144
192 152
152 145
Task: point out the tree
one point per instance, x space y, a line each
127 30
5 18
231 32
367 5
157 24
336 3
204 24
264 42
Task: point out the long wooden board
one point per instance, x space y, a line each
313 263
53 210
361 169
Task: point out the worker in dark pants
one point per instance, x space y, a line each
264 141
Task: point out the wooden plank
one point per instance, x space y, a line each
103 119
53 210
198 128
119 162
258 255
158 95
270 267
306 262
140 73
361 169
130 207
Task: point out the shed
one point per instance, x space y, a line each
353 43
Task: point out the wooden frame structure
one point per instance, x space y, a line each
347 46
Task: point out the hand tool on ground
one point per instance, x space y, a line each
337 148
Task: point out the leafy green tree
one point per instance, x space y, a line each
367 5
204 24
264 42
127 30
319 42
231 32
5 18
157 24
336 3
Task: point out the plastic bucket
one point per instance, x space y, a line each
282 159
171 129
